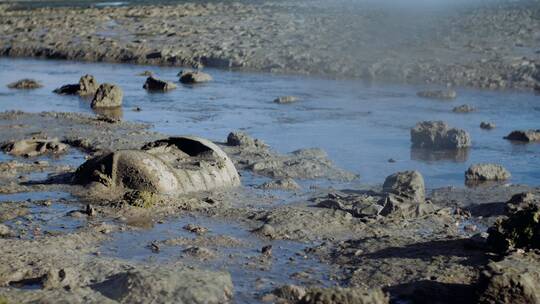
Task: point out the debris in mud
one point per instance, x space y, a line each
515 279
199 252
438 135
191 77
142 199
34 147
169 166
438 94
286 99
486 172
25 84
107 96
239 138
281 184
154 84
525 136
487 125
338 295
521 230
87 85
357 205
465 108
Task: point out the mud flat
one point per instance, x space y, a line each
246 244
476 45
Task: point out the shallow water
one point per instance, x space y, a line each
360 125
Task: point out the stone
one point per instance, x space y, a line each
239 138
515 279
438 135
107 96
521 230
486 172
525 136
286 99
34 147
5 231
522 201
25 84
438 94
87 85
407 184
191 77
281 184
463 109
154 84
290 292
169 166
338 295
487 125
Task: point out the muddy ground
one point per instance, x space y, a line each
61 243
488 44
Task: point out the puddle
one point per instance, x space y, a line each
235 250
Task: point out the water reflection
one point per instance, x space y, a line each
428 155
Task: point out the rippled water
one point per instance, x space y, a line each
360 125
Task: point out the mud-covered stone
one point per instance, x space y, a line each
290 292
34 147
154 84
286 99
521 230
438 135
170 166
190 77
25 84
487 172
487 125
407 184
465 108
344 296
108 96
438 94
525 136
281 184
239 138
516 279
522 201
87 85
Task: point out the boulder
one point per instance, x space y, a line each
438 94
515 279
525 136
407 184
107 96
522 201
521 230
174 165
338 295
87 85
34 147
154 84
438 135
190 77
25 84
487 125
487 172
239 138
286 99
463 109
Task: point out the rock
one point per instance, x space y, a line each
154 84
438 135
338 295
5 231
290 292
195 228
190 77
515 279
163 285
169 166
146 73
25 84
199 252
286 99
34 147
526 136
281 184
59 278
407 184
463 109
522 201
266 230
521 230
438 94
487 172
357 205
487 125
87 85
239 138
107 96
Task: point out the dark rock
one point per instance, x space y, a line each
487 125
525 136
190 77
521 230
154 84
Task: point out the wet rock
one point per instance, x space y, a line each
190 77
199 252
196 228
522 201
169 166
266 251
344 296
5 231
463 109
407 184
357 205
438 135
146 73
290 292
59 278
438 94
521 230
154 84
266 230
167 286
487 172
487 125
107 96
281 184
87 85
25 84
239 138
286 99
34 147
516 279
525 136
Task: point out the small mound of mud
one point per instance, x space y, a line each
438 94
25 84
34 147
344 296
